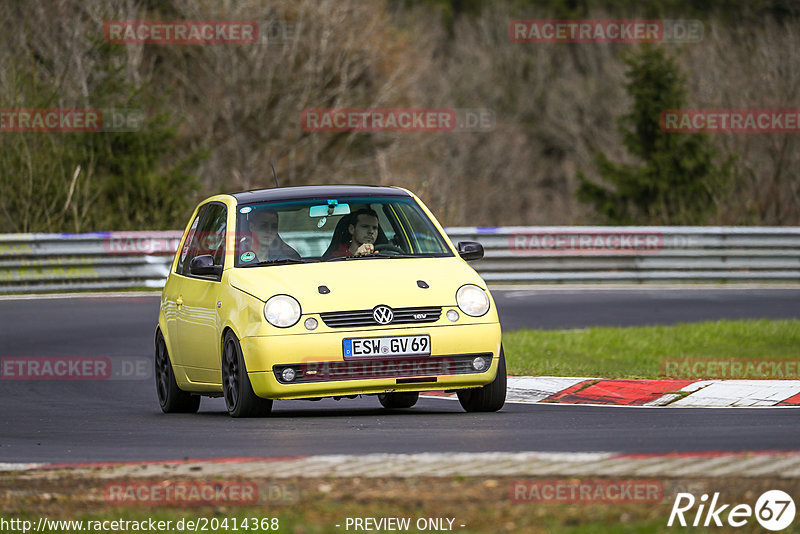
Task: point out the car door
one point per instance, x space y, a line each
172 290
198 318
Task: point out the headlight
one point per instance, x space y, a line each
282 311
472 300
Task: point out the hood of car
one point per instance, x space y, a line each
360 284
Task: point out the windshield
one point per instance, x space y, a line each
334 229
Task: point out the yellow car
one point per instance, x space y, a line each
324 291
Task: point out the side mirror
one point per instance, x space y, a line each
204 266
470 250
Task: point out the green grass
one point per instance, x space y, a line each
639 352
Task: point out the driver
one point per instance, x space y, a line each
362 235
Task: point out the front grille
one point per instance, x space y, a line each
365 369
356 318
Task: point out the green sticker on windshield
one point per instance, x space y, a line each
248 256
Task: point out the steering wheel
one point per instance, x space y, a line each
389 248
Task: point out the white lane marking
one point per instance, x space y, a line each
739 393
736 394
670 398
529 389
444 464
19 466
532 389
93 295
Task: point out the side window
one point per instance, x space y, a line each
217 224
209 238
189 242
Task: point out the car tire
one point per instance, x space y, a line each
171 398
240 399
403 399
490 397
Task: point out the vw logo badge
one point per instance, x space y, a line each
382 314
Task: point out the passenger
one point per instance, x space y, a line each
267 244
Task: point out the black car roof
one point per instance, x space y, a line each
321 192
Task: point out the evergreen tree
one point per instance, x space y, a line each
678 180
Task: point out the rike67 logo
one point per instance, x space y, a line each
774 510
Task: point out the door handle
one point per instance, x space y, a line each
179 302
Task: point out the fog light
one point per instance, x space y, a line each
452 315
288 374
311 323
479 363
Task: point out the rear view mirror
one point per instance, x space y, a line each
327 210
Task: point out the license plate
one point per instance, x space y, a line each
366 347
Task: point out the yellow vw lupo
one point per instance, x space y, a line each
324 291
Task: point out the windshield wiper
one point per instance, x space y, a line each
340 258
373 255
280 261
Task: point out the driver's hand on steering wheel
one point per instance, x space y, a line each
366 248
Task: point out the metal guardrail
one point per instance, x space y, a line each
557 254
632 254
80 262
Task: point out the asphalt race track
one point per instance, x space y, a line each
106 420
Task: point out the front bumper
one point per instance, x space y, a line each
323 371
